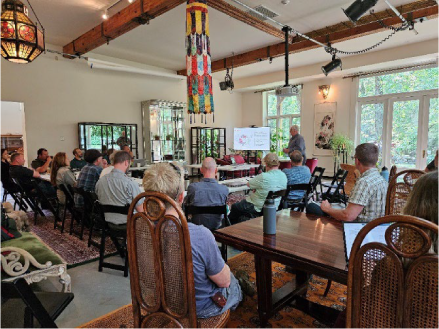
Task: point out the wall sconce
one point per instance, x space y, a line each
324 91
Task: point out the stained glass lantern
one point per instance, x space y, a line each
22 41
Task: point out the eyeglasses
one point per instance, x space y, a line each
178 170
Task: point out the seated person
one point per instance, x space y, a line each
42 162
126 148
432 166
7 182
297 174
110 165
423 203
211 274
272 180
25 175
89 175
368 197
61 174
78 162
117 189
207 193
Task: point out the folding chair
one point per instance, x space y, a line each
26 196
69 205
317 174
214 210
277 194
333 193
301 204
50 203
19 299
115 236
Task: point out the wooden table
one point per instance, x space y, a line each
308 243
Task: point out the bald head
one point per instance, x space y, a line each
208 168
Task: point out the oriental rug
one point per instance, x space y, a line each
246 315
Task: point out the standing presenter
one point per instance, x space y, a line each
296 143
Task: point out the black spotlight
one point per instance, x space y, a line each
331 66
358 9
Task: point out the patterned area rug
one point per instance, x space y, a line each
246 315
72 249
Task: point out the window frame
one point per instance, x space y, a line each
278 117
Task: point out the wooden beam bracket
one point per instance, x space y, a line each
143 19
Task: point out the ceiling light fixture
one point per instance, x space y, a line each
332 65
130 1
105 14
21 40
358 9
324 91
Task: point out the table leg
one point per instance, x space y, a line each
263 284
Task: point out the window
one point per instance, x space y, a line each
282 113
399 113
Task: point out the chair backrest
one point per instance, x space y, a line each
20 289
399 190
351 178
213 210
68 194
318 172
276 194
160 258
392 172
394 285
297 187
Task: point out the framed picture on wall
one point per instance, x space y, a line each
324 125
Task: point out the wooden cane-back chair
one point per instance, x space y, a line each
351 178
160 258
392 172
399 190
394 285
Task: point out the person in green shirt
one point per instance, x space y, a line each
271 180
78 162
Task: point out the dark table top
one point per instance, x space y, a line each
301 239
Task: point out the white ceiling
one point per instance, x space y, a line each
161 43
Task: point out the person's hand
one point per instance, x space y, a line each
20 150
325 206
49 159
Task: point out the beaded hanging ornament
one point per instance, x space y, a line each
198 61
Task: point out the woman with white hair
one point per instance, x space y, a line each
296 143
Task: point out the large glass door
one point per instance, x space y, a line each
430 138
405 151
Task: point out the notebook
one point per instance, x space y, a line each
351 230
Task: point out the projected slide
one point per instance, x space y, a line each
252 139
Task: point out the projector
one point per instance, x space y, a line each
227 85
287 91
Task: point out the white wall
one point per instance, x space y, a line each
11 118
340 92
57 94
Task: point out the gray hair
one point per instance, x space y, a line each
296 157
295 128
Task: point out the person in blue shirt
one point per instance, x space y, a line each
297 174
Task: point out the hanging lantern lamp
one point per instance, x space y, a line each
21 40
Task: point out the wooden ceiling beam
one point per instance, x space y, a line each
246 18
137 13
336 33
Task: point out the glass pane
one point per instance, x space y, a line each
400 82
372 117
290 105
432 129
285 132
295 121
405 133
272 101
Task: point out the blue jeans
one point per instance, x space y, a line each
314 209
233 294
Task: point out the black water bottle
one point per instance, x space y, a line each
269 217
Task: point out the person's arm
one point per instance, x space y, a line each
44 167
135 192
347 215
35 174
256 182
222 279
69 178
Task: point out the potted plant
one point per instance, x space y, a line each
339 144
156 137
276 136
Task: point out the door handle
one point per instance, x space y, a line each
423 153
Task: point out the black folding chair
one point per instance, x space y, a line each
214 210
301 203
333 193
14 192
69 205
119 237
20 305
26 195
277 194
86 211
316 180
50 203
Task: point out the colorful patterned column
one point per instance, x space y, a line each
198 62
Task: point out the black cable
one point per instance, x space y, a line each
35 14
